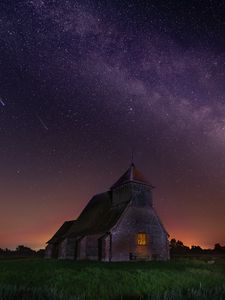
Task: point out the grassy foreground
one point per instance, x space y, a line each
39 279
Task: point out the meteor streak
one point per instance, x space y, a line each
42 122
2 102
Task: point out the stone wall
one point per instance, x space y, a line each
81 249
63 249
92 244
67 249
51 251
92 247
130 190
138 217
48 251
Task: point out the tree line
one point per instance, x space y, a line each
22 251
178 248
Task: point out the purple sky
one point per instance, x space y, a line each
84 82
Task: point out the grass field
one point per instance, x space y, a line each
39 279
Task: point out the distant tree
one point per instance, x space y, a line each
40 253
24 251
173 244
180 244
178 247
218 248
196 249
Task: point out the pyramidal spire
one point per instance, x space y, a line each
132 175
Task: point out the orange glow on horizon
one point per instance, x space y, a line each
33 225
38 240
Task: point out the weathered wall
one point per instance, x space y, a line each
92 244
139 217
67 248
63 249
51 251
127 191
107 253
88 248
48 251
105 247
81 249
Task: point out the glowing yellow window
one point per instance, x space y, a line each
142 239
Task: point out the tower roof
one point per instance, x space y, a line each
132 175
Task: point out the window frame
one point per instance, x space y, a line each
142 239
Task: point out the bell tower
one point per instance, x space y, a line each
132 186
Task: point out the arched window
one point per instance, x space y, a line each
142 239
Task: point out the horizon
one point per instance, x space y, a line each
13 248
41 245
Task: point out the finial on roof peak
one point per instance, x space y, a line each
132 156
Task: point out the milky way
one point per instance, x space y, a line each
88 81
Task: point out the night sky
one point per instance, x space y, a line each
82 83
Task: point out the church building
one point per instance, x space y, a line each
118 225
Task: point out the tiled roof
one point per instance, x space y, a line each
62 230
131 175
98 217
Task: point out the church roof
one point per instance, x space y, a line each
131 175
98 217
62 230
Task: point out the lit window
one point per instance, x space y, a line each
142 239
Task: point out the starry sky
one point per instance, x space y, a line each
82 83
